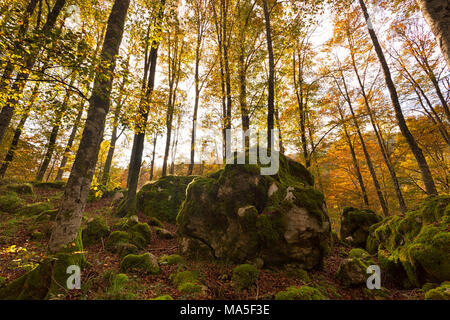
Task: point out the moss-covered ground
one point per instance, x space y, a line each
102 278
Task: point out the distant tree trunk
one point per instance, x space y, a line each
197 94
437 15
152 166
54 134
415 149
380 140
18 86
68 220
271 81
369 162
17 133
70 142
354 159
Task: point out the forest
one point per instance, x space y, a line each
224 150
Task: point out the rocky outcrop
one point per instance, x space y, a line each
414 248
162 199
353 270
355 224
239 215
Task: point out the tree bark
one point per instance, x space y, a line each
68 220
152 166
437 15
271 80
70 142
427 178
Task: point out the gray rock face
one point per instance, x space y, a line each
238 215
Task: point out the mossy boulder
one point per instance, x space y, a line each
146 263
440 293
188 283
46 216
58 185
129 231
35 209
11 202
163 233
162 198
244 276
355 224
302 293
95 230
237 215
353 270
21 188
413 248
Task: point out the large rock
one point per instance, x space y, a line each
414 248
355 224
162 198
239 215
353 270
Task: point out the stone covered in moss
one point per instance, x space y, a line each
188 282
237 214
244 276
11 203
35 208
355 223
440 293
302 293
414 248
163 233
162 199
145 263
95 230
129 231
21 188
296 272
353 270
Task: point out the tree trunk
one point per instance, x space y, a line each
152 166
70 142
271 81
17 133
437 15
427 178
65 245
366 153
354 158
17 88
68 220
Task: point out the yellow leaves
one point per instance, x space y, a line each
12 249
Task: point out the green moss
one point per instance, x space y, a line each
163 233
244 276
60 185
414 248
183 277
145 262
440 293
35 208
298 273
162 199
23 188
95 231
358 253
2 281
190 288
163 297
270 227
356 223
302 293
152 221
171 260
48 215
10 203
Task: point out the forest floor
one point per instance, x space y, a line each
19 253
